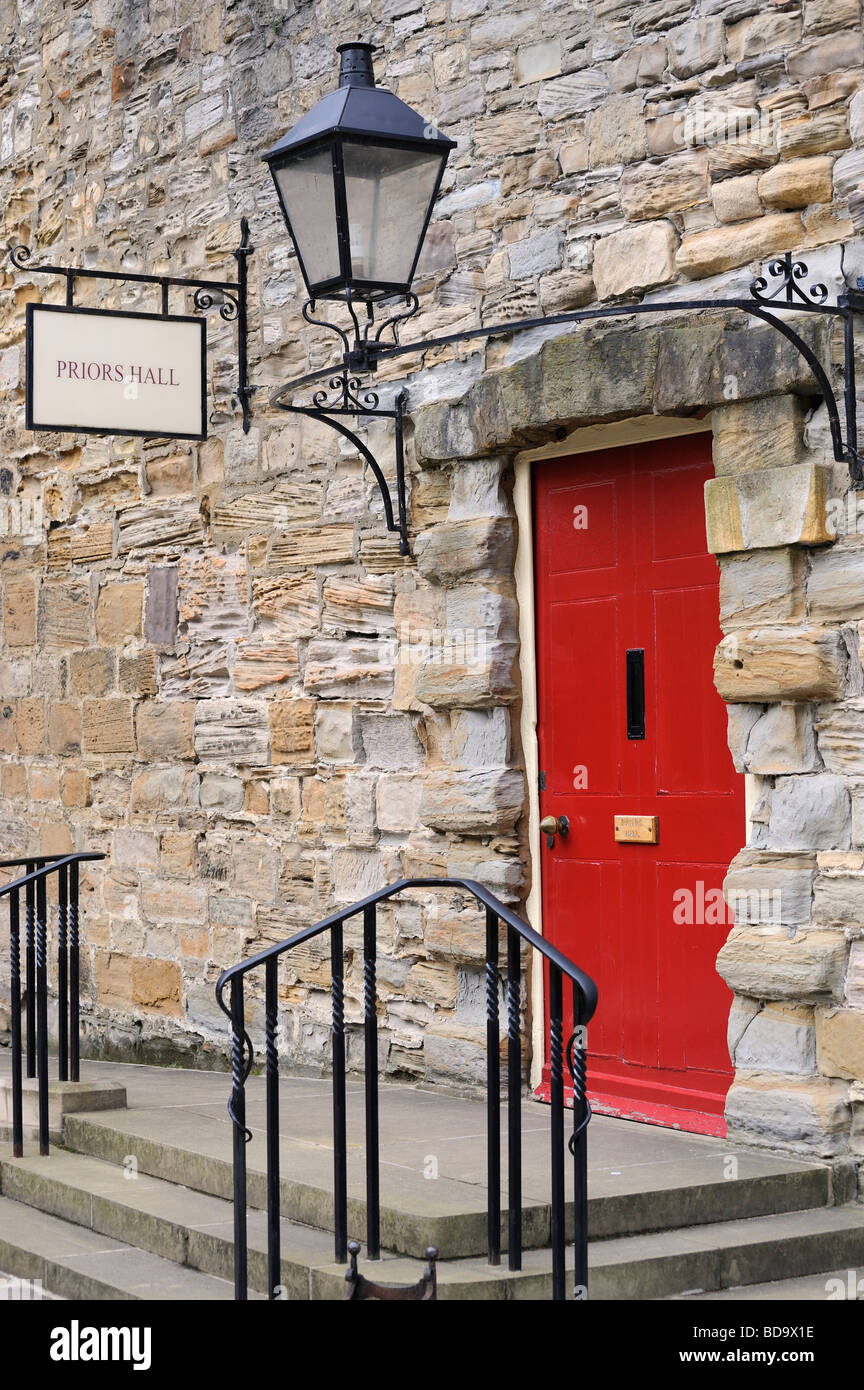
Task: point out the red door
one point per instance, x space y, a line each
622 567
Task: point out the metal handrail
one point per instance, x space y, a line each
584 1003
34 885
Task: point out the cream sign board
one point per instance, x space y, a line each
98 371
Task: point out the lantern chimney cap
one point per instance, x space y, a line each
356 64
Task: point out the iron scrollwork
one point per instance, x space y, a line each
229 295
784 287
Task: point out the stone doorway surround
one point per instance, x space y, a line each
789 666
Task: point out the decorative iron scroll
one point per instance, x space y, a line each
229 295
783 287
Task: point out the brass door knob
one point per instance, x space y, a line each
550 826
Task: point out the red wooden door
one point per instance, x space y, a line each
622 565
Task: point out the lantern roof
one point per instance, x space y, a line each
357 108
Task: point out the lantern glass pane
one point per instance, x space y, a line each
306 186
388 192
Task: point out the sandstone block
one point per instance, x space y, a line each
334 733
165 730
760 586
634 259
840 1043
781 741
838 899
704 364
292 731
675 185
473 802
781 1038
795 183
835 586
695 46
19 612
810 813
118 613
721 248
92 672
397 803
737 200
761 510
616 132
64 730
340 670
108 726
232 731
450 552
222 793
768 664
359 605
764 966
752 435
809 1115
64 615
263 661
157 985
840 736
160 606
390 741
855 976
301 546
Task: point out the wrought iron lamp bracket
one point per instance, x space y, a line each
784 286
230 295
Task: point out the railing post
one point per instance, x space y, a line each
62 975
340 1140
15 1021
30 969
556 1101
370 1038
274 1251
493 1093
514 1103
238 1115
74 977
579 1149
42 1009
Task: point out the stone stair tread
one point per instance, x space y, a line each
719 1235
806 1288
75 1262
76 1181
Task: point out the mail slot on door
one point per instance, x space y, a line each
638 830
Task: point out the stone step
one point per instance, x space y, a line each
835 1285
194 1229
658 1190
728 1255
75 1263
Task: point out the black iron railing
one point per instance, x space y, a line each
559 968
30 1044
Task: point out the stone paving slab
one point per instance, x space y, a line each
641 1177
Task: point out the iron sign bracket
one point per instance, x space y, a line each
230 295
783 287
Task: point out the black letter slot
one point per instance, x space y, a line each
636 693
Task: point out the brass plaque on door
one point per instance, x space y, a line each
639 830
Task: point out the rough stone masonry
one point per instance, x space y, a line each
216 667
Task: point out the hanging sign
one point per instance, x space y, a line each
100 371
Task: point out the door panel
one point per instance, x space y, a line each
622 564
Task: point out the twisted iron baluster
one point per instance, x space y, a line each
493 1093
15 1022
578 1146
271 1053
74 978
514 1103
556 1099
241 1136
340 1152
370 1028
62 976
42 1009
30 967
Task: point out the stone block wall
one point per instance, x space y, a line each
214 663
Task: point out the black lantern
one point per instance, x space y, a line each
356 178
